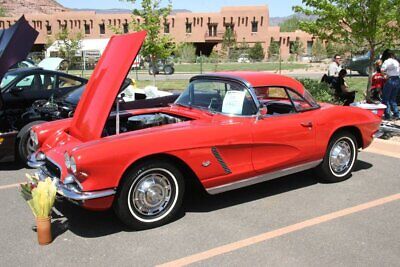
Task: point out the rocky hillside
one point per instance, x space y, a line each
19 7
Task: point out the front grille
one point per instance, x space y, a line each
52 169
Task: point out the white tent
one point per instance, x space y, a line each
90 47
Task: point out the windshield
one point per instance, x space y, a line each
8 78
74 96
218 97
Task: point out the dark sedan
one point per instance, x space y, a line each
20 88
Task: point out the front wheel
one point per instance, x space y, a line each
339 158
150 195
25 144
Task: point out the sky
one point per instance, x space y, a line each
277 8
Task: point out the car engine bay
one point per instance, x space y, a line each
129 123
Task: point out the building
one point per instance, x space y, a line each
250 24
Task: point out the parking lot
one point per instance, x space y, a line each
291 221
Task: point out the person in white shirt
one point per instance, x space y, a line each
391 67
334 68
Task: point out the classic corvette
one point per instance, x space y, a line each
227 130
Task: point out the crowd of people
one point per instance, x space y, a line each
385 84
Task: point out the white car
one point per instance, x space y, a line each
244 58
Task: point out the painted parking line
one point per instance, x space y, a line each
9 186
279 232
385 148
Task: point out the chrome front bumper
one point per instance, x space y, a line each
73 195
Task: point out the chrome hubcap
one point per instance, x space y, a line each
340 156
30 147
152 194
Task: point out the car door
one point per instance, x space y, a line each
18 95
285 137
66 84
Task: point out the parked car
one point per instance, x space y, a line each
361 63
161 66
20 88
226 131
244 58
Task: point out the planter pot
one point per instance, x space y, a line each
44 230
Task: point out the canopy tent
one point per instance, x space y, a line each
90 47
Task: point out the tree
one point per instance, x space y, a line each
3 12
257 52
368 23
228 41
186 52
69 44
290 25
318 50
297 49
273 50
157 45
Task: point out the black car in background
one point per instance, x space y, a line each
20 88
361 63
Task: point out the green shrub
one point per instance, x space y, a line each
320 91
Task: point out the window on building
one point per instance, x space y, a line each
254 26
87 28
212 29
126 27
229 27
102 28
166 27
188 27
48 29
173 23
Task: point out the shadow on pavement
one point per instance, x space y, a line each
91 224
11 166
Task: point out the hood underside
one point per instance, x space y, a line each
15 44
104 84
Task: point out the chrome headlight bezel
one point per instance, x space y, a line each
73 165
67 160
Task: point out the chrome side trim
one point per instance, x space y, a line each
262 178
220 160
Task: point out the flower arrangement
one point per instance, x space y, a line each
40 196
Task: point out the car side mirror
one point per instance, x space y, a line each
16 90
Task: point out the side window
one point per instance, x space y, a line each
48 81
299 102
66 82
28 82
275 99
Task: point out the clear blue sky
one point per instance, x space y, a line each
278 8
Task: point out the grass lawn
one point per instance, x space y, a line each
170 85
258 66
358 84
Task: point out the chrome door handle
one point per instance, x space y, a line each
307 124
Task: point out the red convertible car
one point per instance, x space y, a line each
227 130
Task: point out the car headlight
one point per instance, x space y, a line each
73 165
34 138
67 161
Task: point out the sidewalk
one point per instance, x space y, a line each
385 147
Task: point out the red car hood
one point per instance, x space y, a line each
104 84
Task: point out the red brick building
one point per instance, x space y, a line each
250 24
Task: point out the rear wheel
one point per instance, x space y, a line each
150 195
339 158
169 70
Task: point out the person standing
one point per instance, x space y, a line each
334 68
391 88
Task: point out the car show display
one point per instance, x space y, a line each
226 131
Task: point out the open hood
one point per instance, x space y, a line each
104 84
15 44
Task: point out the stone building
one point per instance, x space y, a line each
250 24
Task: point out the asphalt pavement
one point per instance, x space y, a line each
291 221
